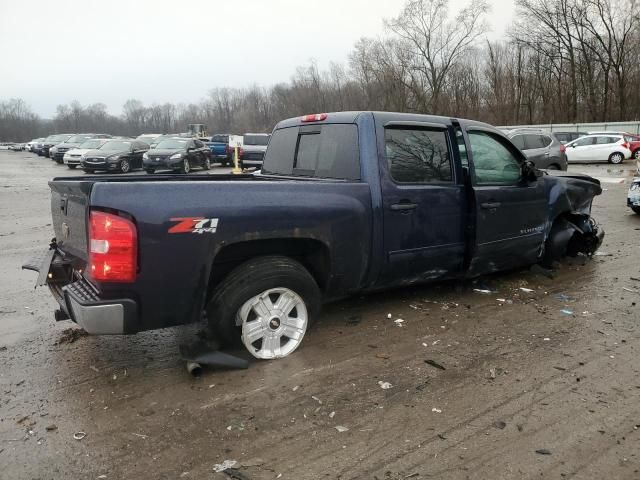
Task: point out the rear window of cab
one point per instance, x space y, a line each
320 151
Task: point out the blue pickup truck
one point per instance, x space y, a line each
345 203
219 147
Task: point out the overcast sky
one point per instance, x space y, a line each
56 51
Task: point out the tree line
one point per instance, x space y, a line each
561 61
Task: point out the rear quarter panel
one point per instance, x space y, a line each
174 268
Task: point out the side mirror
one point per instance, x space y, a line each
530 172
573 145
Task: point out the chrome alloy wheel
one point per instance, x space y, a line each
273 323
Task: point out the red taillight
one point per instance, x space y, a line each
317 117
563 149
113 248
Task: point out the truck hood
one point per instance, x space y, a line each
570 192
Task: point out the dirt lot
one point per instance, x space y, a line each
525 390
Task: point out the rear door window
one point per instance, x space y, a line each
518 141
418 155
605 140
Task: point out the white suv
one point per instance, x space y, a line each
610 147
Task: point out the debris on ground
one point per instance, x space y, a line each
221 467
94 368
341 429
603 254
436 410
543 451
399 322
389 316
354 320
631 290
70 335
565 311
482 290
499 424
385 385
51 428
316 399
492 373
235 474
79 435
384 356
526 290
434 364
332 414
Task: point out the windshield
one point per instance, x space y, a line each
116 146
172 144
220 139
57 138
91 144
78 138
256 139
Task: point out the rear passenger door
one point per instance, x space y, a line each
510 212
424 204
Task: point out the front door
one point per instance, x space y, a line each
511 213
424 204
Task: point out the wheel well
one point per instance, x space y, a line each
312 254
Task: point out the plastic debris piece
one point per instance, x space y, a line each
546 339
341 429
221 467
499 424
436 410
626 289
526 290
332 414
563 297
385 385
398 322
492 373
564 311
543 451
316 399
603 254
295 388
434 364
95 369
79 435
51 428
502 300
482 290
389 316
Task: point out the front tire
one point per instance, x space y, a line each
186 166
207 164
616 158
125 166
266 304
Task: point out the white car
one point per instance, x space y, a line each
612 148
633 197
73 157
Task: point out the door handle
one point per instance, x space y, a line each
490 205
404 206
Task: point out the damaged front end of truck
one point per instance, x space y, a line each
572 231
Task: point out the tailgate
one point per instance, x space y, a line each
69 210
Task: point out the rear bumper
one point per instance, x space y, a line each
80 301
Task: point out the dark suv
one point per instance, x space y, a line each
542 148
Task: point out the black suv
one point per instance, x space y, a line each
542 148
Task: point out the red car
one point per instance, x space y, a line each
634 144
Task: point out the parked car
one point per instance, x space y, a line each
612 148
148 138
254 148
566 137
58 151
38 148
51 141
633 196
30 146
115 155
220 151
177 154
16 147
347 202
543 149
72 158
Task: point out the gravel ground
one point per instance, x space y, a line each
478 387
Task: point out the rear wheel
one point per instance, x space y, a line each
186 166
553 166
266 304
636 154
125 167
616 158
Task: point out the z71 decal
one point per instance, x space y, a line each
194 225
